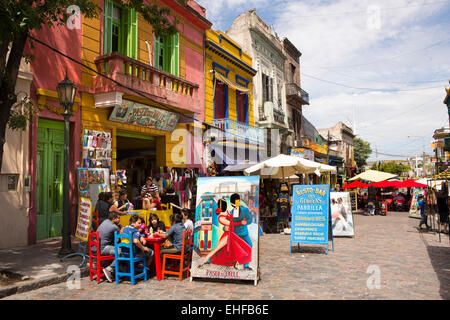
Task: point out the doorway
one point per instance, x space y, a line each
50 172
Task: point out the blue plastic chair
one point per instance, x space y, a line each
129 257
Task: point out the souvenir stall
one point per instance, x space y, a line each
276 175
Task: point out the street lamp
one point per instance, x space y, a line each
66 93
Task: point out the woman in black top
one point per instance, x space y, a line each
104 203
156 224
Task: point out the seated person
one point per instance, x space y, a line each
122 204
106 234
188 224
151 202
175 234
139 242
149 187
104 203
155 224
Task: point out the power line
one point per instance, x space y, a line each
384 81
345 13
387 58
370 89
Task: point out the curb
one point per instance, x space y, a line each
38 283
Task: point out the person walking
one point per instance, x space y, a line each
423 219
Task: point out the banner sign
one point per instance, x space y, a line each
84 219
310 214
341 214
354 200
414 211
226 237
145 116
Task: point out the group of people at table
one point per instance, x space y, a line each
109 212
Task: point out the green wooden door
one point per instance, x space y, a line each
50 169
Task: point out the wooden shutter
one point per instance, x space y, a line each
132 34
156 52
107 27
175 55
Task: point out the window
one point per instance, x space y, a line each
267 83
242 107
120 30
219 101
167 53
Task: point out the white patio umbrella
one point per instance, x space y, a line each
283 166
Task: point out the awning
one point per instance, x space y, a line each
373 176
230 83
239 166
223 157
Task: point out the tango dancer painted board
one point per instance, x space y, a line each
226 228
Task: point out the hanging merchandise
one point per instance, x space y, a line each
283 202
97 149
212 170
121 179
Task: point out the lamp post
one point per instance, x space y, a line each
66 93
423 156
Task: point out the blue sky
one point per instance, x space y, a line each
379 66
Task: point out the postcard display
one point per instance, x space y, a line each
226 237
94 177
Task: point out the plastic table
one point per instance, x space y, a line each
156 241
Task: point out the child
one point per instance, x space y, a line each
423 219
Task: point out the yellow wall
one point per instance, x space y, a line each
234 70
97 118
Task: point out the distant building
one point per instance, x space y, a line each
341 142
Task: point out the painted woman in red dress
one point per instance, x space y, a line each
231 249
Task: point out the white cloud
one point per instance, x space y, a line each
410 47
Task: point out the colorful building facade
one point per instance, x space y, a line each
229 102
140 98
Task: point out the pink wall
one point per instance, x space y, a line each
49 68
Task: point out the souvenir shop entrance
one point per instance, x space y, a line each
138 156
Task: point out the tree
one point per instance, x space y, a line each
361 150
19 17
392 167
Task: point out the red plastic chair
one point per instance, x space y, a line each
94 241
184 257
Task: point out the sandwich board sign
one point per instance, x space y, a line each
310 215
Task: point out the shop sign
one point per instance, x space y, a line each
303 153
84 219
310 214
145 116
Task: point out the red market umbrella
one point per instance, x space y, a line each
355 184
386 184
410 183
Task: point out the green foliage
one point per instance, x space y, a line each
392 167
21 113
361 150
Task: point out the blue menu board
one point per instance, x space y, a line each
310 214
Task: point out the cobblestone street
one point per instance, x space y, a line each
412 264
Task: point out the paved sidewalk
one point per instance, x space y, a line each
38 265
412 265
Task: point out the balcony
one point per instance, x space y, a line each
234 129
157 85
295 94
272 117
441 133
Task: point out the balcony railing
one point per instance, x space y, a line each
162 86
278 116
294 91
234 129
